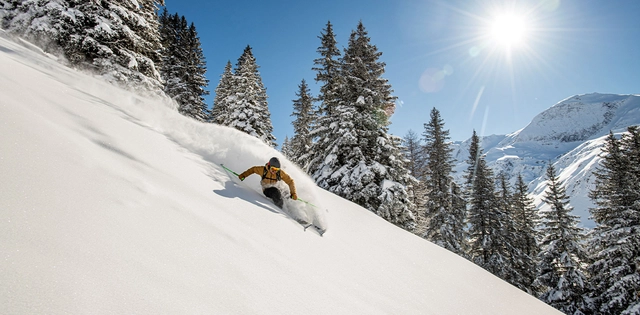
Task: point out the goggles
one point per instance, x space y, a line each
274 169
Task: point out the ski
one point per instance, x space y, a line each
318 229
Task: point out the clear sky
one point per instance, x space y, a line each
485 65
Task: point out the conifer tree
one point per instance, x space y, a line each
196 68
482 212
389 164
223 100
506 247
172 31
481 202
474 154
562 277
416 165
183 67
248 108
165 30
459 205
327 69
303 111
51 25
414 152
362 162
445 224
615 243
286 148
526 221
366 89
128 50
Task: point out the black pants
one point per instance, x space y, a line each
275 195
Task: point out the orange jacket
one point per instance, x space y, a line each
270 179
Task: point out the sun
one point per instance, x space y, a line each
508 29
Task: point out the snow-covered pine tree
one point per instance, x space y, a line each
343 170
196 79
506 246
173 30
165 31
286 148
248 108
483 216
50 24
562 258
5 7
224 98
615 244
526 221
121 40
474 154
357 163
416 165
414 153
305 118
395 205
459 205
327 69
632 150
445 224
183 67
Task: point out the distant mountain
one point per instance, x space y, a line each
570 134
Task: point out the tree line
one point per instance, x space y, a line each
341 140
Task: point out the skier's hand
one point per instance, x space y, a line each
294 196
241 178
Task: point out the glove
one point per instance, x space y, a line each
241 178
294 196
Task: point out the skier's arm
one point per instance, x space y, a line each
253 170
292 186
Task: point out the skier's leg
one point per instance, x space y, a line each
275 195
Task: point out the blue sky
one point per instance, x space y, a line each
438 54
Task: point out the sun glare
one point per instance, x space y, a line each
508 30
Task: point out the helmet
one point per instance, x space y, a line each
274 162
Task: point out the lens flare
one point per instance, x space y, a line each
433 79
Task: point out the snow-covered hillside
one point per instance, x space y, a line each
113 203
569 134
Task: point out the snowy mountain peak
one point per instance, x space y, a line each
581 117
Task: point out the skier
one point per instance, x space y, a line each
271 175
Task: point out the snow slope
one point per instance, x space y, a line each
113 203
569 134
